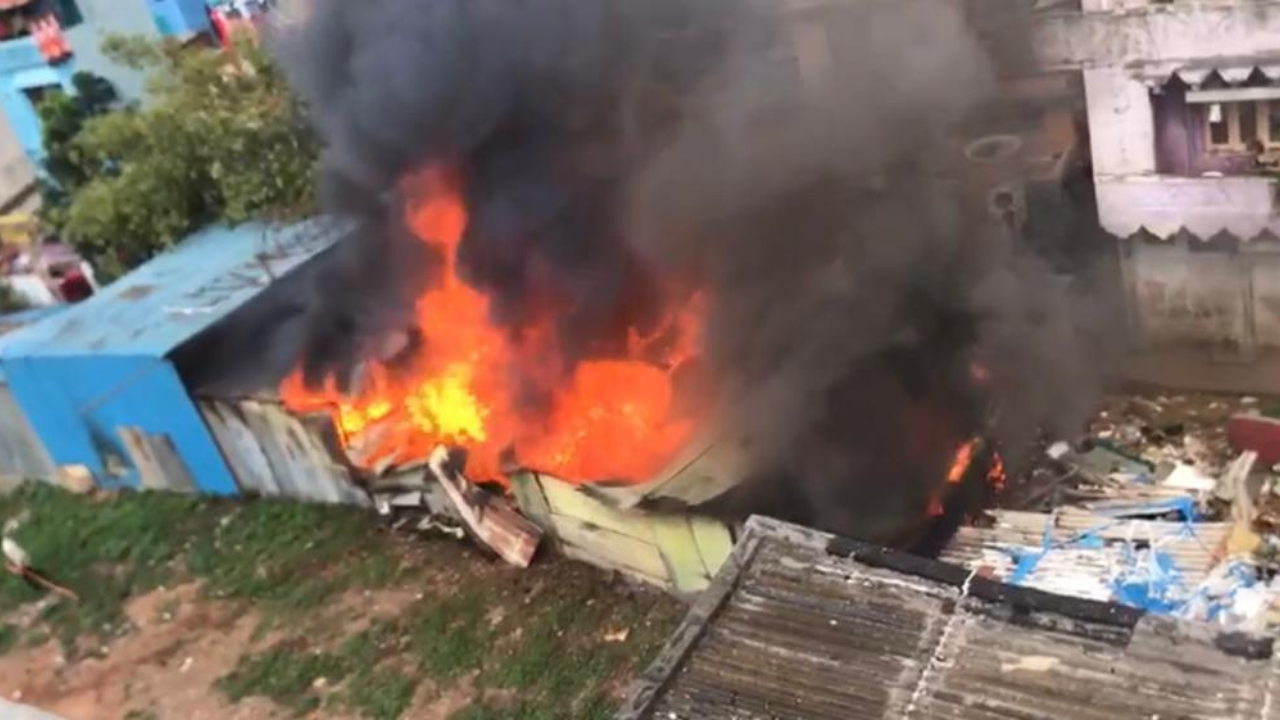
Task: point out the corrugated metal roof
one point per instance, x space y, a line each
176 295
804 626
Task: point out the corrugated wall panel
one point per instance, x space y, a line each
274 453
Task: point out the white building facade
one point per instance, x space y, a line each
1184 122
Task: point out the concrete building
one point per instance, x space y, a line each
44 42
1184 125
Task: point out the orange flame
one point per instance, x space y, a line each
608 419
960 462
997 476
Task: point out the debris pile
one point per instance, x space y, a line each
1167 504
435 497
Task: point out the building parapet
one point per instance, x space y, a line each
1163 205
1165 33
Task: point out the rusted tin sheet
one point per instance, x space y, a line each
160 466
274 453
22 455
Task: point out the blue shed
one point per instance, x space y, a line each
99 382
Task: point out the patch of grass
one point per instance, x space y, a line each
381 694
9 636
450 635
534 645
288 558
142 715
286 675
104 550
550 659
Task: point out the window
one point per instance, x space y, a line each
1232 125
1247 112
1219 131
40 93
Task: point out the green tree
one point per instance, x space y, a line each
62 117
220 139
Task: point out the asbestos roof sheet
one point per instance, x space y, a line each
176 295
805 626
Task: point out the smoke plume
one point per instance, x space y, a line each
866 315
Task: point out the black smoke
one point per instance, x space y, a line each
866 313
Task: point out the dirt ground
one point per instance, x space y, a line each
167 667
452 635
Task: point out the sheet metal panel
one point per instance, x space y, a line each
178 294
277 454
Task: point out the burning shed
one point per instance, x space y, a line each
111 384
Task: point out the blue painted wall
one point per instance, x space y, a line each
77 405
100 19
180 17
22 67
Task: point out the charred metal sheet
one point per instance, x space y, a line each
803 626
274 453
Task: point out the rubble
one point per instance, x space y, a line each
433 497
1169 504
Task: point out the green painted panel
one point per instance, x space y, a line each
529 498
565 500
603 547
715 542
680 553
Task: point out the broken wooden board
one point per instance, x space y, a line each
490 518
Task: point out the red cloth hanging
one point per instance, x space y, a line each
50 40
221 27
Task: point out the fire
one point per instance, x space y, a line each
960 462
996 476
611 418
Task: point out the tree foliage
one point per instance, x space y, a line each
220 138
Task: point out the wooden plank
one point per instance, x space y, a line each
493 521
604 547
680 554
565 500
159 465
